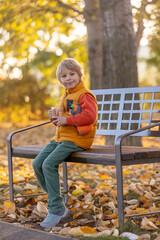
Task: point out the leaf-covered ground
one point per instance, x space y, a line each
92 194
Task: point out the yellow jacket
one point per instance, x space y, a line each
69 132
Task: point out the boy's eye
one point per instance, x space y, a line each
72 73
63 76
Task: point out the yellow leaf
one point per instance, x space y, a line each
1 209
141 210
107 212
86 175
21 163
130 212
73 209
88 230
157 223
114 193
9 207
77 192
76 232
102 185
125 191
144 199
147 204
28 192
70 201
103 200
152 219
112 216
126 172
77 214
115 222
105 176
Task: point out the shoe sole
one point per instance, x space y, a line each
49 228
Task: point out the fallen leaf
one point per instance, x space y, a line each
78 192
130 236
144 237
111 205
103 200
115 233
9 207
88 230
41 208
76 232
65 231
104 233
12 215
30 187
148 225
77 214
157 238
132 202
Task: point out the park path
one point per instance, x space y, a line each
10 231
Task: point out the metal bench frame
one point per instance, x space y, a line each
117 109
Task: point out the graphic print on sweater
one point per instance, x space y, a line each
69 103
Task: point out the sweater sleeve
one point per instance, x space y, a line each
88 113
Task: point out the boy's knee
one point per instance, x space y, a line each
48 167
35 164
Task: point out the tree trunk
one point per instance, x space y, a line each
119 50
93 23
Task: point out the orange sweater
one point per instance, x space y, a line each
88 114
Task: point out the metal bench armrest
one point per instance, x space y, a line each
9 138
119 139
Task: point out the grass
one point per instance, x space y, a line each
131 195
134 228
128 227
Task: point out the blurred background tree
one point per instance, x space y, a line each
36 35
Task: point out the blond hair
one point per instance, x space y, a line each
70 64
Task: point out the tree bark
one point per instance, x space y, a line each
93 23
119 49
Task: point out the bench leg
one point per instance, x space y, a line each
10 170
65 184
119 175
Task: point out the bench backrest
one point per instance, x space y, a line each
125 109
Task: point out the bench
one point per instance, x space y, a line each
121 113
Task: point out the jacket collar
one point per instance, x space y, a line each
78 87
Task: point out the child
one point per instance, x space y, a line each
67 139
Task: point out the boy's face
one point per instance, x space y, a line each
69 78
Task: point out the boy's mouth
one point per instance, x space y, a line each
69 83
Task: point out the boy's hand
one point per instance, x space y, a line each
52 113
59 121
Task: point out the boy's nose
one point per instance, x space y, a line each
68 77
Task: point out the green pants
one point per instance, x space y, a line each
46 166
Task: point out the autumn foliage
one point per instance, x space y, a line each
92 194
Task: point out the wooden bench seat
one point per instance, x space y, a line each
121 113
98 154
